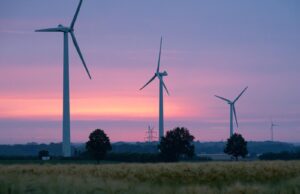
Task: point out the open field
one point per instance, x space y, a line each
207 177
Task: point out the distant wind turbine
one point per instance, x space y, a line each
162 85
272 130
66 149
232 109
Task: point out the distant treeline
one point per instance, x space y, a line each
54 149
281 156
30 149
83 158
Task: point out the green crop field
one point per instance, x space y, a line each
205 177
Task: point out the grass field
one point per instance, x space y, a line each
207 177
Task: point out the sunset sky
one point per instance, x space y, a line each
209 47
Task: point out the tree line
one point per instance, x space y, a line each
176 145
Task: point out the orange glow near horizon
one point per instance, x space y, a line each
87 108
41 97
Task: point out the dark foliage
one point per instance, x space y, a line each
31 149
98 145
281 156
236 146
177 143
43 153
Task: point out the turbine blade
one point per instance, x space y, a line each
158 63
240 95
223 99
234 112
76 14
163 83
79 53
148 82
49 30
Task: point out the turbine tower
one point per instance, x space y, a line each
272 130
232 109
162 86
66 148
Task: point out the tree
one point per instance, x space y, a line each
176 143
236 146
98 145
43 153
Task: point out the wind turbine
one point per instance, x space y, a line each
232 109
272 130
66 149
162 86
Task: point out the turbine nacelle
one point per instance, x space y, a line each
161 74
273 124
64 28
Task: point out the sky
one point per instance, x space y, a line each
210 47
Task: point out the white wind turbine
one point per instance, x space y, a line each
162 85
232 109
272 129
66 148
